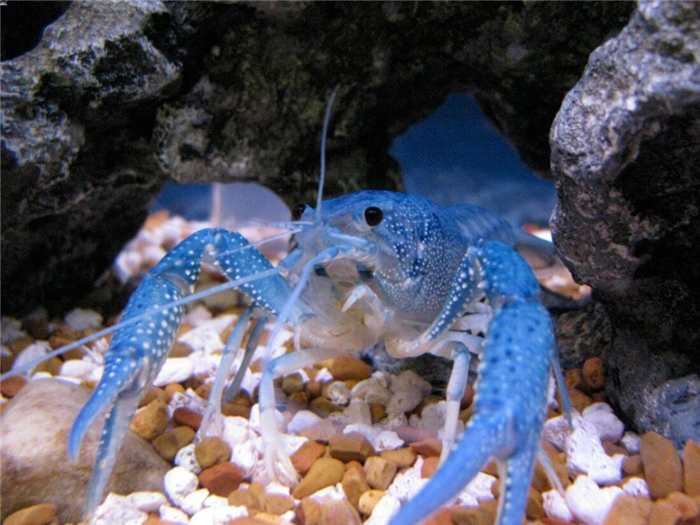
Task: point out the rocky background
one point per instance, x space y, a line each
114 100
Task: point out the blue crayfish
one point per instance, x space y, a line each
374 266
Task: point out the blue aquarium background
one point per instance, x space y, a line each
453 156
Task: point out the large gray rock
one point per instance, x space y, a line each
625 156
34 453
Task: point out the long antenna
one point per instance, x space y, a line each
322 178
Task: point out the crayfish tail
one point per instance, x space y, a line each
485 435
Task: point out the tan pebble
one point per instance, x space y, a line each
380 472
412 434
540 481
579 400
184 435
221 479
174 388
52 366
151 421
490 506
403 457
558 462
573 378
594 373
188 417
323 473
685 505
553 521
339 512
184 328
350 383
350 465
534 510
349 447
242 398
241 498
430 466
471 516
153 519
599 397
212 451
20 344
491 469
611 449
467 397
303 458
322 406
313 389
277 504
428 447
12 385
300 398
368 500
153 394
662 466
166 446
664 513
180 350
377 411
691 468
629 510
292 383
203 391
263 518
633 465
441 517
354 485
350 367
308 512
42 514
234 409
247 520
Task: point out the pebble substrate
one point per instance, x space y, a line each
363 442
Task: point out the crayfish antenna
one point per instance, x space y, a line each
322 178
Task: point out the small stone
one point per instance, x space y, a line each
441 517
579 400
573 379
412 434
356 465
611 449
300 398
594 373
629 510
377 411
685 504
534 510
179 483
354 485
221 479
664 513
42 514
350 367
153 394
212 451
184 435
662 466
430 466
276 504
380 472
151 421
323 473
166 446
308 512
322 406
633 465
368 500
12 385
349 447
236 410
174 388
403 457
242 498
292 383
471 516
188 417
339 512
303 458
691 468
428 447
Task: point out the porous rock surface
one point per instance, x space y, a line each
625 153
34 454
120 97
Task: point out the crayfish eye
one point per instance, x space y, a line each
373 216
298 211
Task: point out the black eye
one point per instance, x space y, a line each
373 216
298 211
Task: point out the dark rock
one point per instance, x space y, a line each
34 453
582 334
625 153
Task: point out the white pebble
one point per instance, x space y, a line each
602 417
179 483
218 515
79 368
387 440
186 459
194 502
11 330
555 506
338 393
126 265
197 316
302 420
324 376
81 319
386 507
152 255
585 455
632 442
277 488
234 433
216 501
408 391
173 515
246 456
636 487
146 501
556 430
480 487
372 390
115 509
408 483
588 503
328 495
34 351
175 370
203 339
